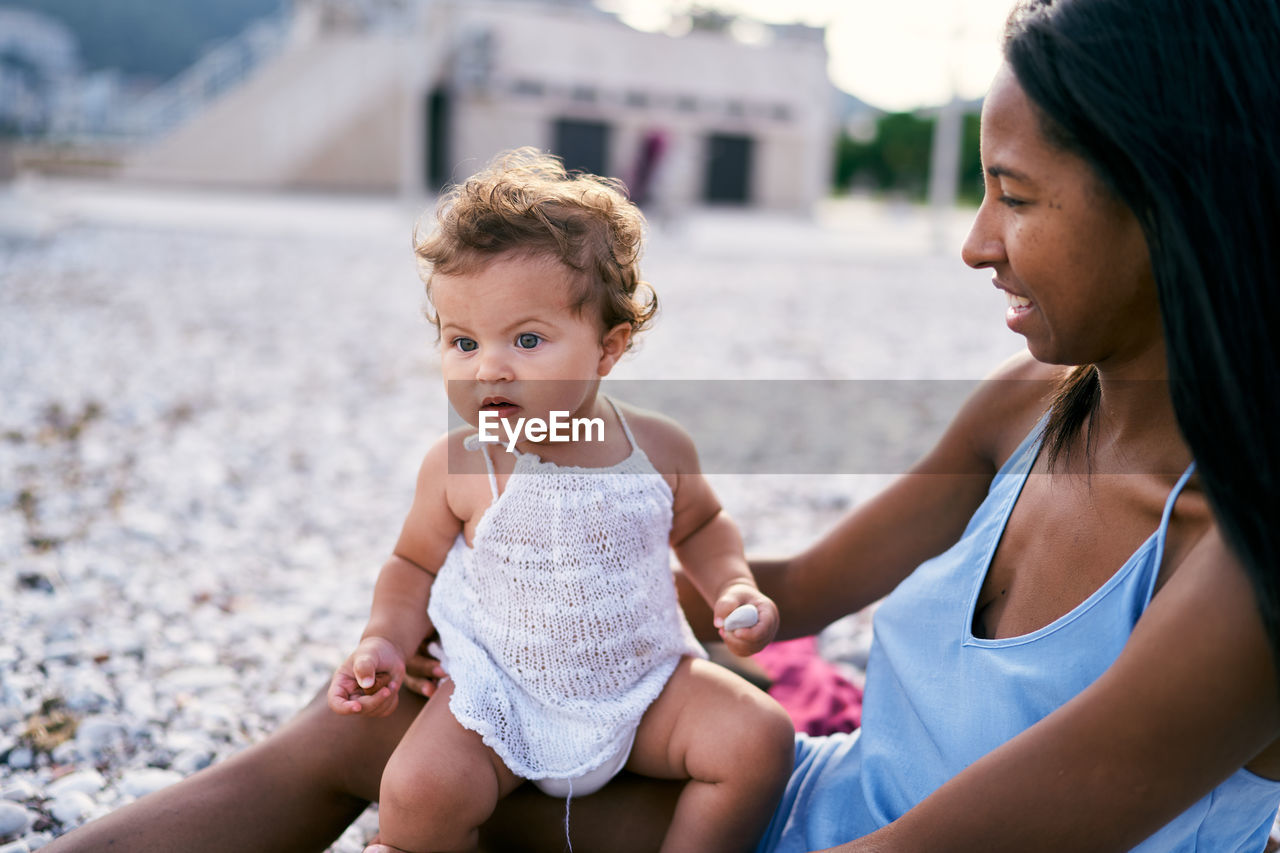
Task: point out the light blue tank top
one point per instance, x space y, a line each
938 698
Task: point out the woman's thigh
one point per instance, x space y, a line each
347 753
629 815
295 791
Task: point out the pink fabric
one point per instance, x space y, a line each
819 699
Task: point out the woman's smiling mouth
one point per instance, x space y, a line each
1018 305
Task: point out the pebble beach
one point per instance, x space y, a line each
214 406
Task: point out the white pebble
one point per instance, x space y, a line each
71 807
84 781
197 679
65 753
99 734
21 758
742 617
18 790
190 760
14 819
139 783
36 840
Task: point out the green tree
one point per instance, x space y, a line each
896 159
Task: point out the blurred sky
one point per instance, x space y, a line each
894 54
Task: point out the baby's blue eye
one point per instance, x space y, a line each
465 344
528 340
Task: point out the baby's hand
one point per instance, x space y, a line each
752 638
423 670
368 682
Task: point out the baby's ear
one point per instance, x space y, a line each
612 345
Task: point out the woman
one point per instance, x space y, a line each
1087 656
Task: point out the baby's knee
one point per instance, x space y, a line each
418 800
772 736
753 742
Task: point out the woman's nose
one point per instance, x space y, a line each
984 246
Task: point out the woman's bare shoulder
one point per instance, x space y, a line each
1006 405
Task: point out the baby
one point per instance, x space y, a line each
543 564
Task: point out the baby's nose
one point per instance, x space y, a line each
493 367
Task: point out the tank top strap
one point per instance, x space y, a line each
1163 530
472 442
622 420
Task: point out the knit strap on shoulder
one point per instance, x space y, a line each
472 442
622 420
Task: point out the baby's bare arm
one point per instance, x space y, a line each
369 680
399 611
705 538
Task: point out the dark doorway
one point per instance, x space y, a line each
584 145
438 168
728 169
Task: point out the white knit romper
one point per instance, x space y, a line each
560 625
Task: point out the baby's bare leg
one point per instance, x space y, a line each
440 784
731 741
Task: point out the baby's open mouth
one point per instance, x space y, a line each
501 405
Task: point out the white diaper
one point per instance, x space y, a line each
592 780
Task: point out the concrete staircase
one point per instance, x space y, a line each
294 121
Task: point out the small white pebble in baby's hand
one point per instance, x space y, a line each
742 617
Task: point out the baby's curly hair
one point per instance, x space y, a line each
525 201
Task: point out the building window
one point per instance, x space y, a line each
637 99
439 165
583 145
728 174
528 88
584 94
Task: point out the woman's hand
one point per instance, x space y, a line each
423 670
746 641
368 682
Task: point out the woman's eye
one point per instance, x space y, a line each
1009 201
528 340
465 344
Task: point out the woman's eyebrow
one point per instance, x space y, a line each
998 171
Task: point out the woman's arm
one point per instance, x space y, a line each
1191 699
920 515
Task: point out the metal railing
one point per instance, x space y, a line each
217 70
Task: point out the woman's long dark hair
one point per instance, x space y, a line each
1176 105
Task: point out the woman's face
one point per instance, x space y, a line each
1069 255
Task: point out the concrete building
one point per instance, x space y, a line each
407 95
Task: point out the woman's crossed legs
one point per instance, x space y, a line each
299 789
